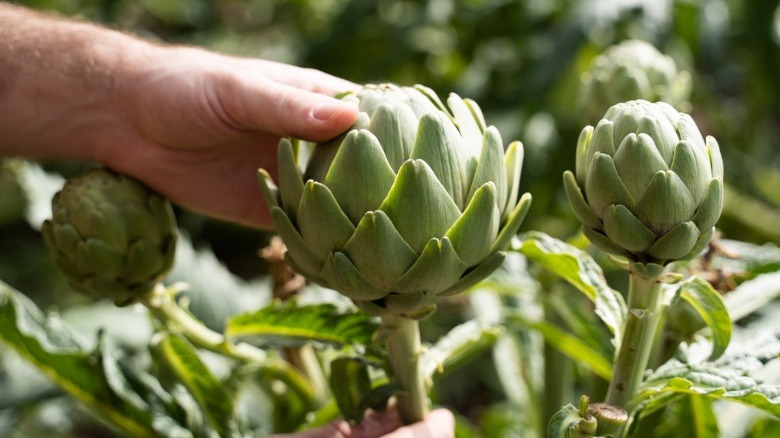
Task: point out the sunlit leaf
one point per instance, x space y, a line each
573 347
710 306
88 373
463 342
579 269
217 403
713 380
289 324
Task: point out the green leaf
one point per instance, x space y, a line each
688 416
577 349
350 383
215 400
710 306
290 325
460 344
718 381
579 269
87 373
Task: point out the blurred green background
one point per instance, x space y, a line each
520 60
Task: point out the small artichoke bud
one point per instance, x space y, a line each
111 236
418 199
648 186
633 69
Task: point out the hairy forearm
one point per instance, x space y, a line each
60 81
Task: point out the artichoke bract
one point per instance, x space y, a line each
416 200
112 236
648 186
632 69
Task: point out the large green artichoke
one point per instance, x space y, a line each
111 236
633 69
648 186
415 200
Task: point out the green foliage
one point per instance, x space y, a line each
539 332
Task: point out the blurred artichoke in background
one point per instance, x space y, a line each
111 236
633 69
647 185
415 200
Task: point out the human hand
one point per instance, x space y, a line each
192 124
201 124
439 423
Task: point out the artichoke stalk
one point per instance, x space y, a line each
416 200
111 236
633 69
648 187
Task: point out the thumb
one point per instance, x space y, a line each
286 110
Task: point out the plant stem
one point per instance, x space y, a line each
404 350
162 305
644 313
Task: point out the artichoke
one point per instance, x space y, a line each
647 185
111 236
414 201
633 69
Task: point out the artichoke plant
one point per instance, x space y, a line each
111 236
648 186
416 200
632 69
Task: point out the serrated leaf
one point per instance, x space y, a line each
350 383
217 403
57 351
288 324
689 416
575 348
460 344
717 381
581 271
710 306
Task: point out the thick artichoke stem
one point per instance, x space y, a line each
644 313
404 350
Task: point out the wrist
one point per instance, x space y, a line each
59 87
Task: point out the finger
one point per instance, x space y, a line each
259 103
438 424
306 78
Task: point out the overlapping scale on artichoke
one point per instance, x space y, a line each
648 186
111 236
417 199
632 69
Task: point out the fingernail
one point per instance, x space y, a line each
326 111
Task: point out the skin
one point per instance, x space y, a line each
192 124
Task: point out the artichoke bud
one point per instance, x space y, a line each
111 236
647 186
418 199
632 69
